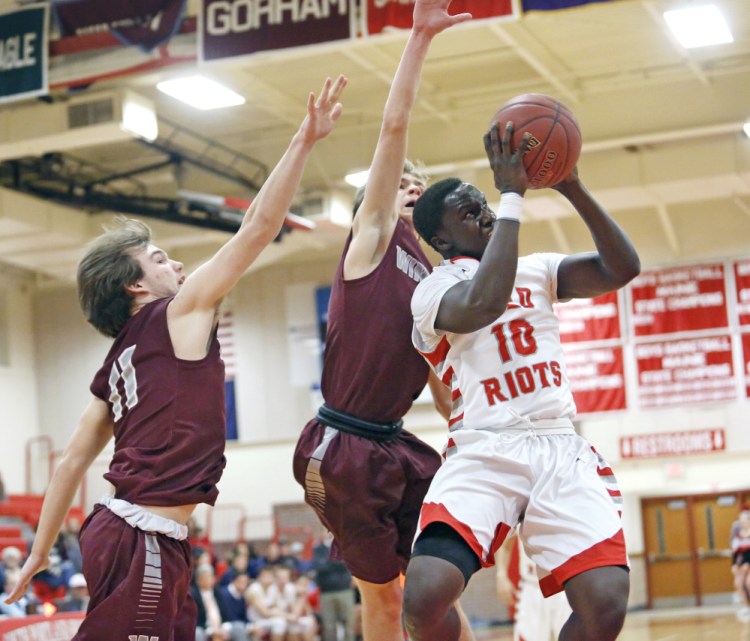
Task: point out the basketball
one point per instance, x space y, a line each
555 144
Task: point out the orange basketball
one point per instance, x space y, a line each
555 144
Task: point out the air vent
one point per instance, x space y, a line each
94 112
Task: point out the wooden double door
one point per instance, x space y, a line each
687 545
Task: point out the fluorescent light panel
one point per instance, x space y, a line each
357 178
698 26
200 92
139 117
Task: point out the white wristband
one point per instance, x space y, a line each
511 205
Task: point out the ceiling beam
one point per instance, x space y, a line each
532 51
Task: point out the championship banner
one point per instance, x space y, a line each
597 379
554 5
229 28
589 319
23 53
742 287
685 372
144 23
682 299
746 362
673 443
397 14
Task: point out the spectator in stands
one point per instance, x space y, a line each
301 564
265 608
336 593
233 607
68 545
239 565
27 604
205 592
77 599
52 582
11 560
740 543
301 624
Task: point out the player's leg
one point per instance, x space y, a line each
466 633
573 532
440 567
381 610
599 598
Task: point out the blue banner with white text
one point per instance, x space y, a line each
23 53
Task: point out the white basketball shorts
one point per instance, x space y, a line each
555 485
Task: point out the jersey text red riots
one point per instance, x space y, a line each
523 380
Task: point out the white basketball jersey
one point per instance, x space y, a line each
510 371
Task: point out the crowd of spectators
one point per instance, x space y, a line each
280 595
275 596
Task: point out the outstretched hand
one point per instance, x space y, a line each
432 16
506 164
32 566
323 112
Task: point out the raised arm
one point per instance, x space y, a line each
89 439
376 218
205 288
473 304
614 264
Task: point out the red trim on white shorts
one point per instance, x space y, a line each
438 513
608 552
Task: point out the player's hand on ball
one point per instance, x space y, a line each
507 164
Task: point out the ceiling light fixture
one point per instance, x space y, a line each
698 26
200 92
357 178
746 128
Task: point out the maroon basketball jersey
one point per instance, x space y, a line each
370 367
168 413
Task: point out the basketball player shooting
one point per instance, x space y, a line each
484 321
161 393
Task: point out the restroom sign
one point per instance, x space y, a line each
673 443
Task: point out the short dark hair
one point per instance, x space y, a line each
428 211
106 269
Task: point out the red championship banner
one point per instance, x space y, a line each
742 285
59 627
397 14
685 372
682 299
597 379
229 28
746 362
673 443
589 319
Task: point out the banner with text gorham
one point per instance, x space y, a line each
230 28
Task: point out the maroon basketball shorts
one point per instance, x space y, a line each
367 493
139 582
